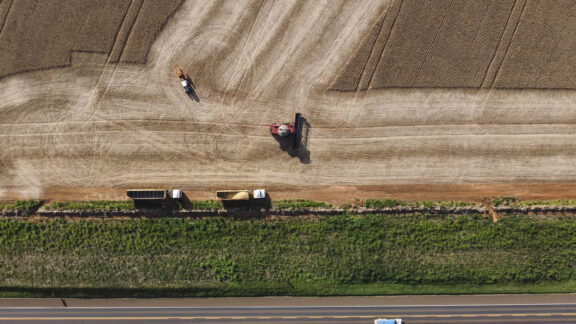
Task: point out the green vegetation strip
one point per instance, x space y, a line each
300 203
389 203
340 255
204 205
20 205
108 205
555 202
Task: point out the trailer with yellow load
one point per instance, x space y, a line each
239 195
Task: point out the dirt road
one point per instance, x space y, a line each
106 127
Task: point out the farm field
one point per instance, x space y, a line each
372 254
79 126
466 44
58 29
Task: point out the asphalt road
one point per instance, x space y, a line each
257 311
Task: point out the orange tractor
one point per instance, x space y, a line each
184 80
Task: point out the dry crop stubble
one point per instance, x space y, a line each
58 28
97 33
50 27
349 79
541 54
466 42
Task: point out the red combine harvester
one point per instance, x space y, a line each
282 130
288 129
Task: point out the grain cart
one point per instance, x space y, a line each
239 195
243 199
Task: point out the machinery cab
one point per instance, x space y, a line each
388 321
282 130
183 79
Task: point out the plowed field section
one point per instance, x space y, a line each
471 44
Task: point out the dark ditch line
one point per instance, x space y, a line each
61 293
265 213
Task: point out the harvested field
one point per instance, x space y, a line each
466 44
101 126
39 35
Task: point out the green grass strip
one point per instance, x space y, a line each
300 203
107 205
336 255
204 204
20 205
389 203
555 202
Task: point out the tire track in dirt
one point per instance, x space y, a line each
270 41
311 81
225 30
243 54
412 145
175 126
386 24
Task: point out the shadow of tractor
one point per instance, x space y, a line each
193 93
297 144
